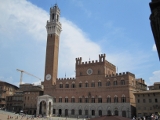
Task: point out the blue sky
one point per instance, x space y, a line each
120 29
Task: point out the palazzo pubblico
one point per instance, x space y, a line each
96 89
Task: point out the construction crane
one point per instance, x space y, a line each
22 71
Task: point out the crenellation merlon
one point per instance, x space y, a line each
66 78
120 74
101 60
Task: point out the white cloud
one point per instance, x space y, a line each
74 43
154 48
155 77
21 17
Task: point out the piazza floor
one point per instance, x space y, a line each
4 115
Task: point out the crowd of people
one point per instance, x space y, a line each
152 117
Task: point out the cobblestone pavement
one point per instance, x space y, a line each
4 115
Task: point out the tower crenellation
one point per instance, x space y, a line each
102 57
79 61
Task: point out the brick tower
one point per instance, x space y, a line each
53 33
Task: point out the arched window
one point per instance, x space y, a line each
86 99
115 82
80 112
67 85
73 84
86 84
80 100
80 84
66 99
99 83
115 99
73 100
123 99
60 99
60 85
116 112
100 112
93 99
108 99
93 84
122 82
86 112
93 112
99 99
108 83
54 111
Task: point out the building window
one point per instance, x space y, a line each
80 73
80 100
93 100
99 100
67 85
99 72
115 99
66 100
86 84
60 100
86 112
108 99
156 100
55 100
150 100
138 100
80 112
93 112
122 82
54 111
99 84
123 99
108 83
93 84
86 100
72 112
114 82
144 100
72 100
80 85
73 85
60 85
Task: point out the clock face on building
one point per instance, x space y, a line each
89 71
48 77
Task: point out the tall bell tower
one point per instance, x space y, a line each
53 33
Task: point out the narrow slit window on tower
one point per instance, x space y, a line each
52 16
57 18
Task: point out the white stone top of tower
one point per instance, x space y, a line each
53 25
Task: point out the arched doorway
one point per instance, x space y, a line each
100 112
116 112
42 109
66 112
123 113
49 112
109 112
60 112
